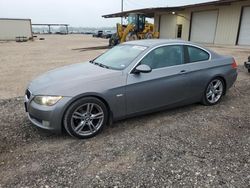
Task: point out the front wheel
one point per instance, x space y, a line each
114 40
214 92
86 117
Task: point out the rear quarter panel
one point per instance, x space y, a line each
201 73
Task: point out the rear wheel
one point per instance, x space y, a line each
86 117
149 36
214 92
131 36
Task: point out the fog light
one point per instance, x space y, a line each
46 123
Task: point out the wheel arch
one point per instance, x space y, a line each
93 95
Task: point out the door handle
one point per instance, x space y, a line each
183 71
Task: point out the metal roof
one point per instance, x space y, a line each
21 19
149 12
49 24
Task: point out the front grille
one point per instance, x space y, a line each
28 94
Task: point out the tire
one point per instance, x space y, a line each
149 36
214 92
248 70
85 118
114 40
131 36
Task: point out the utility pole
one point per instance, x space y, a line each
121 11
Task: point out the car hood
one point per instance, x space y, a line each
73 79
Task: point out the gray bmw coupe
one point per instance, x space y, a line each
133 78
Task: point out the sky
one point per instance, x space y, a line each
78 13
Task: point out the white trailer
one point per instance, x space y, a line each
12 29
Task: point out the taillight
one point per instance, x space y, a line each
234 65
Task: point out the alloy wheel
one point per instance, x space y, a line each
214 91
87 119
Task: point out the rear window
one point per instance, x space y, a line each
196 54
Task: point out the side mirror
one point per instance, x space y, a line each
142 69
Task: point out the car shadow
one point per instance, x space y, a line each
92 48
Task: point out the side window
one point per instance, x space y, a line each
164 57
196 54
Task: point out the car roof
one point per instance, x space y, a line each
151 43
157 42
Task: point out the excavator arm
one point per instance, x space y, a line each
129 28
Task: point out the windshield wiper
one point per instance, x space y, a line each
99 64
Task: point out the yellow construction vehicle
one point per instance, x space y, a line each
136 29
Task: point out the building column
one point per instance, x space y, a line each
67 29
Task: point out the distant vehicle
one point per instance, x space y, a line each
98 34
88 33
107 34
130 79
247 64
60 33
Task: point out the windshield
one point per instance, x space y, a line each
132 19
119 57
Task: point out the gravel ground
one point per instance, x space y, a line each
192 146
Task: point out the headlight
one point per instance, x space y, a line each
47 100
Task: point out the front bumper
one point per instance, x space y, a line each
46 117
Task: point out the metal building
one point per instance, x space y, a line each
10 29
225 22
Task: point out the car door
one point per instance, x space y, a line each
164 85
199 66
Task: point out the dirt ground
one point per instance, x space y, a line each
191 146
21 62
